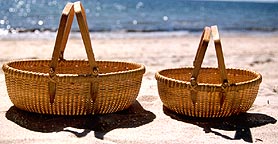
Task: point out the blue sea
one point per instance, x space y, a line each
142 16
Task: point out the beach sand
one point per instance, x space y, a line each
147 121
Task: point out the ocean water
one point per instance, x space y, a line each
125 16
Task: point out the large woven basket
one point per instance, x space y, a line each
208 92
72 87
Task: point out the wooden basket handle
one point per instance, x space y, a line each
63 33
83 26
200 57
62 37
60 43
201 53
219 54
61 40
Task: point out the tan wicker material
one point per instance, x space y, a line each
208 92
72 87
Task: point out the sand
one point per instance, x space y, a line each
147 121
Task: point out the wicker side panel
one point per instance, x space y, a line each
210 102
115 93
25 93
30 95
180 100
116 88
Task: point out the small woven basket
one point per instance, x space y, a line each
208 92
72 87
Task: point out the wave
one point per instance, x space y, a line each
104 34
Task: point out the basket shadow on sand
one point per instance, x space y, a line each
132 117
240 123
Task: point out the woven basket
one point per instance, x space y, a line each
72 87
208 92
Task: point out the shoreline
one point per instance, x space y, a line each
49 35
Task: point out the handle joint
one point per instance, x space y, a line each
51 72
95 71
225 84
193 81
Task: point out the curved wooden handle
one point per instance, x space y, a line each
199 60
61 40
219 54
62 37
63 33
60 43
200 54
83 26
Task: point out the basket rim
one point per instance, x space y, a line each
161 78
6 67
